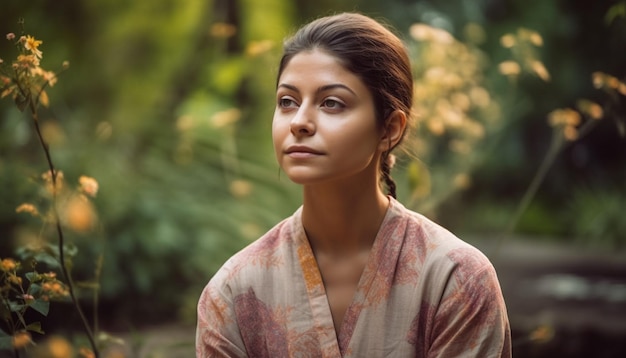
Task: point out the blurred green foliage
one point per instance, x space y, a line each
168 104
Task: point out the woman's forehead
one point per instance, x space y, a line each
313 63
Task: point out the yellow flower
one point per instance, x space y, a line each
27 208
16 280
88 185
540 70
79 214
598 79
26 61
570 133
509 68
86 353
590 108
256 48
51 186
21 339
542 334
240 188
224 118
507 40
462 181
32 45
563 117
536 39
59 347
567 120
8 265
222 30
55 289
48 76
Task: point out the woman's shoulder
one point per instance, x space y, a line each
267 245
441 244
270 251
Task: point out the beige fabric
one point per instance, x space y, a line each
423 293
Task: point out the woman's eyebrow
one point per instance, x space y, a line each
333 86
320 89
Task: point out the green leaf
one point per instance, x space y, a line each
35 289
41 306
32 276
35 327
16 307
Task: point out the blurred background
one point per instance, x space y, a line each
520 139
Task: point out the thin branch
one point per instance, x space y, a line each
66 273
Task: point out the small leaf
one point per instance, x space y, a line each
41 306
32 276
16 307
35 327
35 289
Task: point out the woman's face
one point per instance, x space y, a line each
324 126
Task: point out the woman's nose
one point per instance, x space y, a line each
303 122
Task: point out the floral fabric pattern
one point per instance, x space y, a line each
423 293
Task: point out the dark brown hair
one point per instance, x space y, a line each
371 51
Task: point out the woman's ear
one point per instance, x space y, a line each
395 124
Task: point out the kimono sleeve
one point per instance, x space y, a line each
471 320
217 332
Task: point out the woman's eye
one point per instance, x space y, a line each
286 103
333 104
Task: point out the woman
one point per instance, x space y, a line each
352 273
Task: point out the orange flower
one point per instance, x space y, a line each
223 30
79 214
86 353
590 108
26 61
8 265
47 177
543 333
55 289
540 70
509 68
16 280
88 185
59 347
564 117
21 339
32 45
27 208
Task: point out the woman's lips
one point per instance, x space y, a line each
299 151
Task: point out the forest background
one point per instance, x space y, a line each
168 105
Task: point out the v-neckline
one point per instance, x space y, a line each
318 299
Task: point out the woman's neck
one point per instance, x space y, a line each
343 220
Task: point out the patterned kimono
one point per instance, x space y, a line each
423 293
